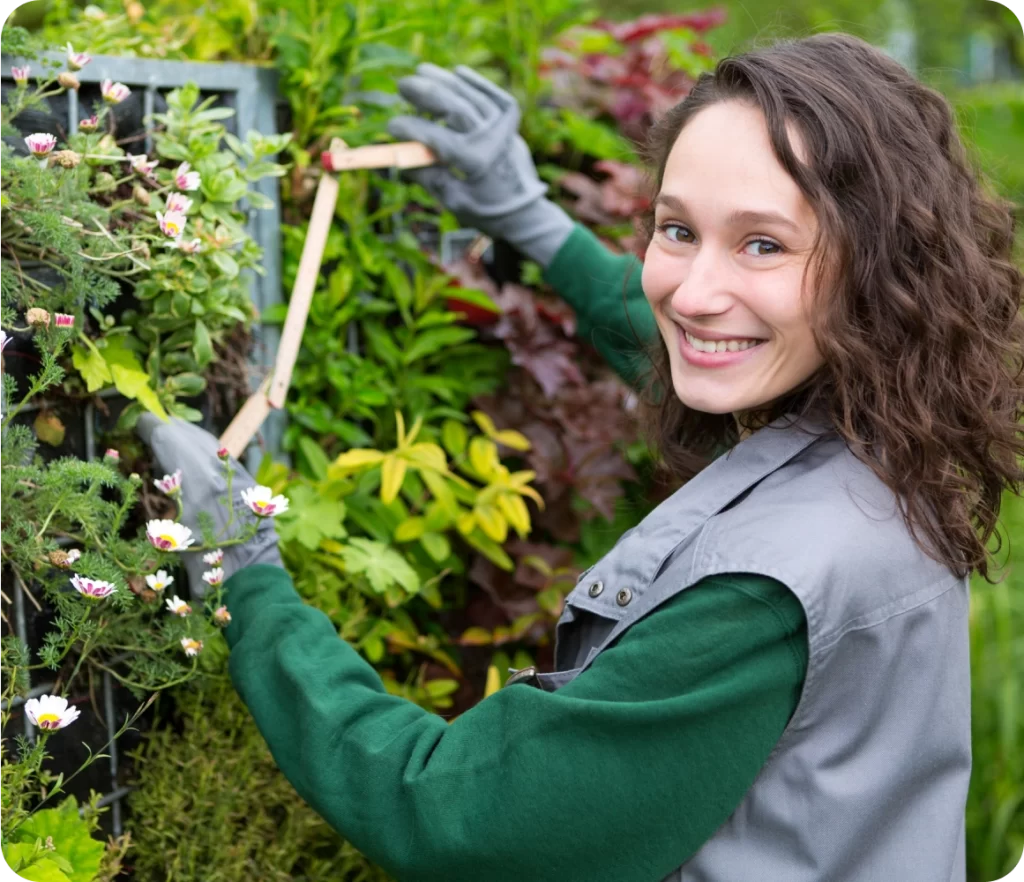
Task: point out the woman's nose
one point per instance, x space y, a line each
705 285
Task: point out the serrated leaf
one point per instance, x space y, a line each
135 384
381 564
310 518
71 841
92 366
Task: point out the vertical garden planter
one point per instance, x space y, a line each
251 92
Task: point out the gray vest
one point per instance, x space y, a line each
869 780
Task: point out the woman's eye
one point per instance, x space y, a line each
768 242
678 233
672 231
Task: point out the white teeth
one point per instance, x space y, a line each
720 345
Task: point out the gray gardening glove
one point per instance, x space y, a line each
178 444
485 176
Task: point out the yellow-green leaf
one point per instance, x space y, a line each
466 523
485 423
426 455
491 550
515 512
414 431
436 545
483 457
492 522
438 485
512 438
392 473
437 517
454 437
410 529
354 459
135 384
48 428
92 366
475 636
400 427
493 681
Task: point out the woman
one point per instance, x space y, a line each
768 678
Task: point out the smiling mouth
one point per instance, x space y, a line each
712 347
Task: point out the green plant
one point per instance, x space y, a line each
995 803
55 845
238 817
98 221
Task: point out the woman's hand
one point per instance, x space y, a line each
177 444
485 176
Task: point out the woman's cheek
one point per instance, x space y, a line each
655 279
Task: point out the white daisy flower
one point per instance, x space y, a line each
178 203
263 502
214 558
169 484
114 93
214 577
185 179
191 647
159 580
221 615
169 535
178 606
95 588
50 712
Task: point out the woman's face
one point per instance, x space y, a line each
719 268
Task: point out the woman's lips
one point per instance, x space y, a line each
713 359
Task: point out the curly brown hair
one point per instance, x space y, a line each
922 333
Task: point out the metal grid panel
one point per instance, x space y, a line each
252 91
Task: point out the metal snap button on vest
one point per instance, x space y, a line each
596 589
623 597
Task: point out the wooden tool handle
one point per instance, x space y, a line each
272 391
403 154
305 284
247 421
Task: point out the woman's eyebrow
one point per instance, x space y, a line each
738 216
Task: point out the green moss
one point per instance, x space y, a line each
212 806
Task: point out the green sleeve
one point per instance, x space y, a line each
619 776
604 290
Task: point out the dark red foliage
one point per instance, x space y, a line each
639 28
